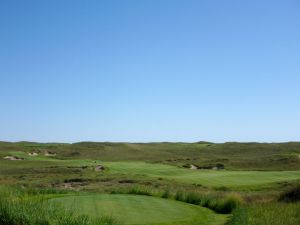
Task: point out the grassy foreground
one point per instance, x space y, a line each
20 208
133 209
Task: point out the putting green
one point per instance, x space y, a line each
210 178
132 209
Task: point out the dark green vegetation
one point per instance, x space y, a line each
199 183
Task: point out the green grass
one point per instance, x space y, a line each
254 173
133 209
237 156
267 214
20 207
210 178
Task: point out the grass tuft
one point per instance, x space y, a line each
267 214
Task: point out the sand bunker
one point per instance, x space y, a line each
13 158
67 185
48 153
33 154
218 166
99 168
193 167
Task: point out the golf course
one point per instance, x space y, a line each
209 178
93 183
158 112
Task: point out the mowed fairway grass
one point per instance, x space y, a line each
209 178
133 209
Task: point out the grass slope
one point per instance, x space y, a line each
132 209
235 156
210 178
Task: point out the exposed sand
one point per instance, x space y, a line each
193 167
47 153
99 168
33 154
14 158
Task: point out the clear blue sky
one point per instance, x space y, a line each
152 70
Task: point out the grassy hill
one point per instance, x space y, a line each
237 156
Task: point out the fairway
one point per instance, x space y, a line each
210 178
133 209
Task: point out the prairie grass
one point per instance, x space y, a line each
220 204
16 208
267 214
224 204
291 195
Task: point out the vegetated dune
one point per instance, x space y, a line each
203 174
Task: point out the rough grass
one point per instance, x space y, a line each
224 204
19 209
267 214
291 195
211 178
247 156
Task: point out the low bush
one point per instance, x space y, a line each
291 195
229 203
179 196
193 198
166 194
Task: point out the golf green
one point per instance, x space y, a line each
133 209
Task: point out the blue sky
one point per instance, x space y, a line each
159 70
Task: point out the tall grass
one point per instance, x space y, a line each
219 203
19 209
267 214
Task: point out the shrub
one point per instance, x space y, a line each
291 195
193 198
165 194
228 204
139 191
179 196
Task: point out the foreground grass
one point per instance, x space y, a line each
267 214
133 209
21 209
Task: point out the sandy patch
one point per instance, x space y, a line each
14 158
193 167
99 168
48 153
33 154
